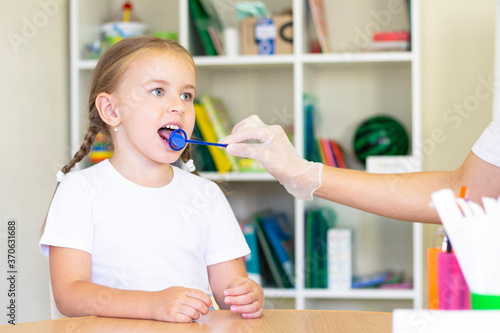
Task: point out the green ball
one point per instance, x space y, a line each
380 135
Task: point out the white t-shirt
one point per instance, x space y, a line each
487 147
143 238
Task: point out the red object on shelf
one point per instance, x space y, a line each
383 36
314 46
127 5
127 9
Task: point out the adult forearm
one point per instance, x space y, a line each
399 196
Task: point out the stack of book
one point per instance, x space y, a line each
391 41
212 124
317 9
328 257
207 28
330 152
387 279
328 254
323 150
317 223
270 239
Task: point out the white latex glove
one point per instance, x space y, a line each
300 177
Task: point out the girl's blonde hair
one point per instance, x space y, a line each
106 78
107 74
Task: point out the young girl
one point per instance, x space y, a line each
134 236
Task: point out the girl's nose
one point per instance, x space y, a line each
176 105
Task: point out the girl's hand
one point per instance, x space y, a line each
178 304
246 297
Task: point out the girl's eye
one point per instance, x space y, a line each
187 97
157 92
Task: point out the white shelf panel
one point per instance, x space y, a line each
241 61
361 294
406 294
357 57
86 64
248 60
279 293
238 176
220 61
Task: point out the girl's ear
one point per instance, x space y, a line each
107 109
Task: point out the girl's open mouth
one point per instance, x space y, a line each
166 130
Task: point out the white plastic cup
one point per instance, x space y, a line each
231 42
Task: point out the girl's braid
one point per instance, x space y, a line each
95 126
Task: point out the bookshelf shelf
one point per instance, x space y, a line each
224 61
408 294
280 293
259 61
239 176
86 64
357 57
349 87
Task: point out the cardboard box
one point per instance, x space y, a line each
283 44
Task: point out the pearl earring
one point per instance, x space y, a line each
116 129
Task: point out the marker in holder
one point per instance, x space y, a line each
178 140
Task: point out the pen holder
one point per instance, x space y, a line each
432 278
485 302
452 288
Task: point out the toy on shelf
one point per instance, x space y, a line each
101 149
124 25
127 9
380 135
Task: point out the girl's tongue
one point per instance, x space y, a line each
164 133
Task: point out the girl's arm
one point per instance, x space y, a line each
76 295
234 290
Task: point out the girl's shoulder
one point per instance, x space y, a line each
189 179
88 175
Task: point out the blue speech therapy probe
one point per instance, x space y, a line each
178 140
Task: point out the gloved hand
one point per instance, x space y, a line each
300 177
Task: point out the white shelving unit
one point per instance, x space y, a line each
349 88
496 94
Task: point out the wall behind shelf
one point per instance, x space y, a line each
457 41
457 49
34 141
